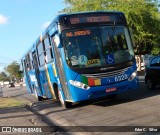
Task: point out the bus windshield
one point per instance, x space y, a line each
97 46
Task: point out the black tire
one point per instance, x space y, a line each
39 98
55 87
150 84
67 104
64 104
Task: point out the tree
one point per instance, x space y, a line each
14 70
3 77
143 18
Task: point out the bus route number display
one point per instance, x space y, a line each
91 19
78 33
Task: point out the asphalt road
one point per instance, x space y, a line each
129 113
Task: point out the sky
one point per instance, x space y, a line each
21 22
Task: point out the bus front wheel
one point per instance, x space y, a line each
64 103
150 84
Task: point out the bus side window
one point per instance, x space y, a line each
48 54
40 50
31 60
25 66
33 64
28 62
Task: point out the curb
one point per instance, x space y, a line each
58 123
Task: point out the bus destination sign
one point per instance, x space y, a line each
91 19
108 18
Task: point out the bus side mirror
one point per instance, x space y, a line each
57 41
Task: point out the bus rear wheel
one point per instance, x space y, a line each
39 98
64 103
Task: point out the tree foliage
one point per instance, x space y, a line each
3 77
14 70
143 18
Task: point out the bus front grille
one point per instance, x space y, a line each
106 74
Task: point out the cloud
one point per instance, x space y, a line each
3 19
45 25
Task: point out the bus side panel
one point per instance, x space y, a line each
44 83
51 75
34 83
27 85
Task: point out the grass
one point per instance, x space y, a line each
10 102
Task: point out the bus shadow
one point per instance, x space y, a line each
128 96
51 110
54 106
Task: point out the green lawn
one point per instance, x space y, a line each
10 102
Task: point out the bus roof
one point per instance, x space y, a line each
60 16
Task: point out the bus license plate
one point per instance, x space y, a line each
111 89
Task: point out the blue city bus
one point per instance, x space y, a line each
82 56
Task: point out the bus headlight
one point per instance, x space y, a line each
134 74
79 84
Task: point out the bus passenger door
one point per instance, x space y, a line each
60 69
37 73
